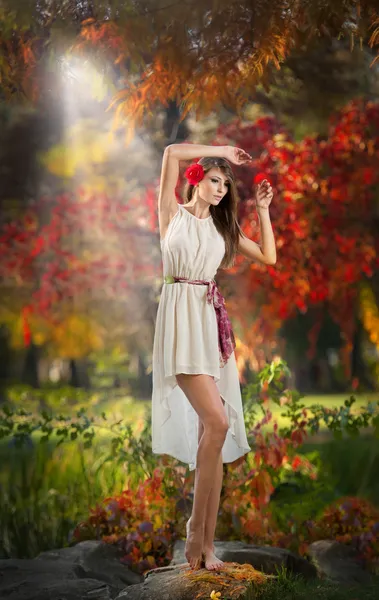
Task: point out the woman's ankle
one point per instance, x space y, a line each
208 547
195 525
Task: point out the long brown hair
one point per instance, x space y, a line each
225 214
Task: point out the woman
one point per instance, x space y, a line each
197 413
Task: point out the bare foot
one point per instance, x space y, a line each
193 547
212 563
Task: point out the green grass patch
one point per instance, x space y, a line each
287 587
45 492
351 463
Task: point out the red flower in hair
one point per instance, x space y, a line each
194 173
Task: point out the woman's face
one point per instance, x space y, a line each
214 186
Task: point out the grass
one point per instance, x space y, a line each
44 493
46 490
351 463
287 587
118 404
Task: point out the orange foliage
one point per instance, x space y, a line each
200 67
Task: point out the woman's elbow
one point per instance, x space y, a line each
170 149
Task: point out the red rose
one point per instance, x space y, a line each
260 177
194 173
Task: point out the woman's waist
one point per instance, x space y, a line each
198 279
212 291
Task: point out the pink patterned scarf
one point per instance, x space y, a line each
226 340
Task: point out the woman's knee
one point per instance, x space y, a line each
203 394
217 429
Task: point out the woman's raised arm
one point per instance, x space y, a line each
167 203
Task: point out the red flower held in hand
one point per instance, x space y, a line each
194 173
261 177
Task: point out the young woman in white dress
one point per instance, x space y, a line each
214 194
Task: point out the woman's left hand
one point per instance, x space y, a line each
263 194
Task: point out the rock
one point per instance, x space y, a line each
95 560
179 582
337 562
263 558
89 569
161 584
92 570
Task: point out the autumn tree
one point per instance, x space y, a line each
326 226
197 56
79 266
216 60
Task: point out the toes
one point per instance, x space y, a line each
195 563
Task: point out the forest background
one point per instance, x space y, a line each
91 93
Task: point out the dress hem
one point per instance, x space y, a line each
232 421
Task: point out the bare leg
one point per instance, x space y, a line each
204 396
211 561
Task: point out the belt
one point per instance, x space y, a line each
226 340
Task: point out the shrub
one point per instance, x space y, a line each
140 522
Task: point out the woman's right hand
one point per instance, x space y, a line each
237 156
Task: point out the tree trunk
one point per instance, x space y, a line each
175 131
358 365
144 380
5 360
79 377
30 368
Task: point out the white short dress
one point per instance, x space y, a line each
186 341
